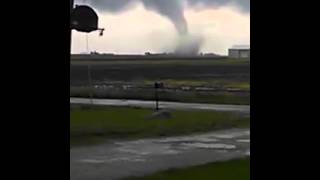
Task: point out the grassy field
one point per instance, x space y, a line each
201 83
96 124
230 170
217 70
221 74
193 62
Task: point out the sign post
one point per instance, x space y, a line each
157 85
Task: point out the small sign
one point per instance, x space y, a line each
158 85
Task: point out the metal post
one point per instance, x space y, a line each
157 99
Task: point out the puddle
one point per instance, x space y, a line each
133 151
188 139
176 145
209 146
127 159
231 135
148 149
93 161
110 160
244 140
224 136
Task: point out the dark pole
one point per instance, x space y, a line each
157 99
70 33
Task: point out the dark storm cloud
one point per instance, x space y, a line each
171 9
174 11
243 5
113 6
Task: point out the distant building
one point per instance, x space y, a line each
239 51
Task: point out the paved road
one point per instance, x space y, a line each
164 104
145 156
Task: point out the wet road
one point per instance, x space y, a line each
145 156
164 104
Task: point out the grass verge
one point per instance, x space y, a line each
238 169
100 123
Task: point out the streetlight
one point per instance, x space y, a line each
84 19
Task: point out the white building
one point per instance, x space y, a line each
239 51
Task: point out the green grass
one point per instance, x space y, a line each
178 83
93 125
230 170
239 85
244 85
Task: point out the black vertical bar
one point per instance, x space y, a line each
157 99
70 33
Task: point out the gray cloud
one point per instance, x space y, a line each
242 5
171 9
113 6
174 11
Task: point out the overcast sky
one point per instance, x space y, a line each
138 30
